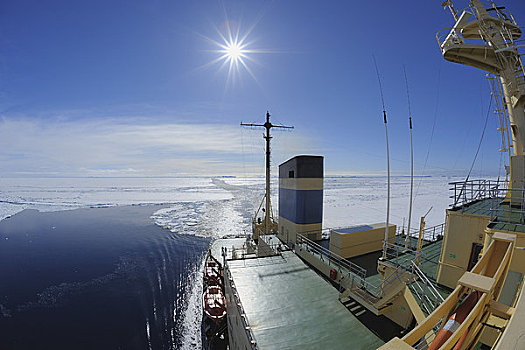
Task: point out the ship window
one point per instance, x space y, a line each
291 174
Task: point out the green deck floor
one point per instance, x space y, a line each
289 306
428 265
508 219
481 207
503 216
430 252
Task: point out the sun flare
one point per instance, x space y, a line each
234 52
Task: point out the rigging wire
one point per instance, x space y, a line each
387 161
477 152
411 163
431 133
243 155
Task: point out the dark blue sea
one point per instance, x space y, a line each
111 263
98 278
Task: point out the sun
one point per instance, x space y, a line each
235 53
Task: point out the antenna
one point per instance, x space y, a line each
267 137
411 162
387 161
448 3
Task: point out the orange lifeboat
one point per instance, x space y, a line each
454 322
214 303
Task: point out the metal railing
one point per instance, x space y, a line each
430 235
241 253
237 253
405 272
509 207
510 210
240 309
332 258
465 192
353 275
424 290
314 234
270 248
397 255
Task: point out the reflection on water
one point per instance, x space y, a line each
126 277
102 278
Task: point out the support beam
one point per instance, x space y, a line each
413 305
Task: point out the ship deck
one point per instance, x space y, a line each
504 217
480 207
430 252
288 305
428 264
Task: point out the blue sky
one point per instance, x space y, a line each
125 88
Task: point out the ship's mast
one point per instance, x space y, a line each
501 37
495 52
492 35
268 125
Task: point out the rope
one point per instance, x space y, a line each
431 134
477 151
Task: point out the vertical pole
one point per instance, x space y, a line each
388 188
421 229
387 162
267 125
268 210
411 184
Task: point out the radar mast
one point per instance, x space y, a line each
269 222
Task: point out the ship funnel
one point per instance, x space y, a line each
301 198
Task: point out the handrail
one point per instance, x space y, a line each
510 209
335 258
387 282
472 190
438 299
430 234
428 283
356 274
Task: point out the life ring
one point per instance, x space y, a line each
454 322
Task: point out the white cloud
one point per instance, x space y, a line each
108 147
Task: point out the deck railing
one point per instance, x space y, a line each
397 255
509 207
429 235
332 258
354 275
465 192
426 292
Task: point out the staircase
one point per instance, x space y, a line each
424 291
378 298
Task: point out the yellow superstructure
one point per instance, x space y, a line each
483 251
